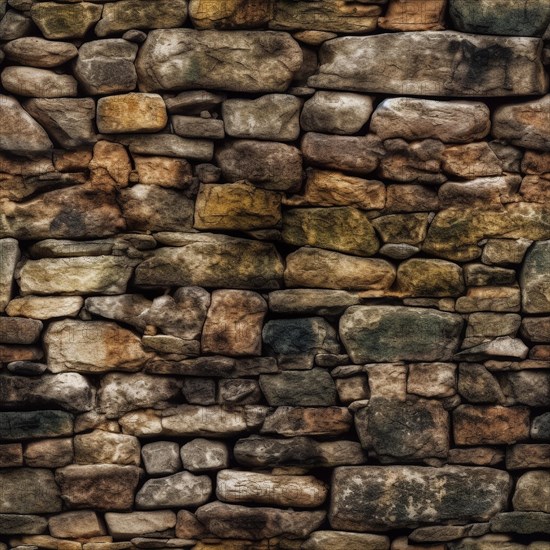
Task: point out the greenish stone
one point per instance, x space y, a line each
33 424
501 17
524 523
535 279
396 333
343 229
429 278
402 228
57 21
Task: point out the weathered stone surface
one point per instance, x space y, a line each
213 260
311 301
161 458
331 15
535 279
198 127
472 160
129 308
13 24
477 385
524 124
49 453
123 15
98 486
540 427
33 424
126 526
176 491
94 346
131 113
484 275
486 425
234 61
376 64
194 102
341 540
233 14
20 133
328 188
490 298
293 421
58 21
11 455
266 164
432 379
532 492
502 17
107 66
402 228
69 391
75 212
76 524
401 432
386 380
229 520
310 388
527 387
239 391
406 496
163 171
18 524
317 268
426 277
18 330
262 452
234 323
81 275
341 229
536 329
411 198
121 393
38 52
31 82
447 121
447 533
295 342
505 251
353 388
100 447
29 491
236 206
203 455
524 523
388 333
69 121
414 15
524 456
336 113
169 145
279 490
273 117
356 154
9 253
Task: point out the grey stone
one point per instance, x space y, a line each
38 52
532 492
376 64
14 25
336 113
101 447
535 279
193 102
161 458
540 427
401 432
527 387
19 524
199 391
477 385
203 455
9 256
448 532
170 146
503 17
239 391
69 121
295 342
536 329
342 540
106 66
274 117
382 497
484 275
198 127
266 164
399 251
239 61
524 523
34 424
20 133
176 491
128 308
310 388
31 82
29 491
503 346
26 368
394 333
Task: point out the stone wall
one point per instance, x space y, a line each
274 274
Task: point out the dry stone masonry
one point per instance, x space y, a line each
274 274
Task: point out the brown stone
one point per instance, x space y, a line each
100 447
18 330
472 160
426 277
163 171
296 421
232 14
490 425
533 492
11 455
84 524
523 456
411 198
497 298
110 164
49 453
476 456
432 379
414 15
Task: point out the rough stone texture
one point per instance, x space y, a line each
203 455
361 64
340 540
535 279
161 458
532 491
76 524
29 491
59 21
35 424
37 52
233 14
380 493
255 62
123 526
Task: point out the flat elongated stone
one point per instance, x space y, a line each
311 301
123 15
414 15
388 497
267 164
98 486
343 229
449 121
94 346
213 260
133 524
504 17
81 275
31 82
100 447
278 490
169 145
85 524
18 330
58 21
420 277
535 279
296 421
525 523
49 453
395 333
443 64
37 52
317 268
342 540
239 61
231 14
33 424
29 491
9 254
19 524
230 520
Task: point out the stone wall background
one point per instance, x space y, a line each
274 274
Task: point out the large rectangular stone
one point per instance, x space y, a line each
378 498
32 424
433 63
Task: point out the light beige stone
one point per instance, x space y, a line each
81 524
